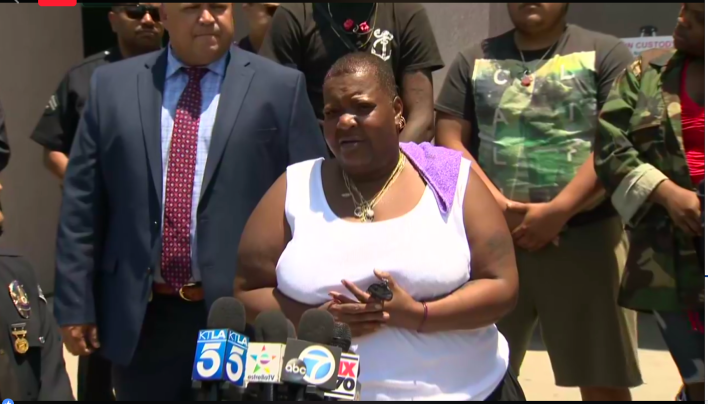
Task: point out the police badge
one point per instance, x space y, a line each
21 343
20 299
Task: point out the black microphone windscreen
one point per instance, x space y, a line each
271 326
291 330
342 337
316 326
227 312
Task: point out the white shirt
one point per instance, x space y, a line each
427 254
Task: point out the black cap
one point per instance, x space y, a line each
271 326
227 312
316 326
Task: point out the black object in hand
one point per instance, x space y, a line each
380 291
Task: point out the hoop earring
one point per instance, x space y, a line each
400 123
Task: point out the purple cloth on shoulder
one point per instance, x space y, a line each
439 167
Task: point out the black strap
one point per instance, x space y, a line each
343 35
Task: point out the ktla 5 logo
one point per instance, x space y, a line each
212 353
319 365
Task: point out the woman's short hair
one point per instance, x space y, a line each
364 62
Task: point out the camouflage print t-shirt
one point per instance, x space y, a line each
531 140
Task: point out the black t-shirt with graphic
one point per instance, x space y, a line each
301 37
531 140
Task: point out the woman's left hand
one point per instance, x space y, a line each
403 311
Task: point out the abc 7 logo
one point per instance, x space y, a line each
315 365
297 368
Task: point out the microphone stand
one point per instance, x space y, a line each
217 391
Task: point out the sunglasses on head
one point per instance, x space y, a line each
138 11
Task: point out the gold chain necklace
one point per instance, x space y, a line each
363 209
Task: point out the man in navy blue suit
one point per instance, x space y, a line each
173 152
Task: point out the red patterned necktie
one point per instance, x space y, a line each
176 257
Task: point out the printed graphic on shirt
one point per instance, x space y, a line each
52 105
382 46
533 139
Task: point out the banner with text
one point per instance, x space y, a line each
644 43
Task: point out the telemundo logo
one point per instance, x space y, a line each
319 363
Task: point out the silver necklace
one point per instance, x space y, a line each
527 78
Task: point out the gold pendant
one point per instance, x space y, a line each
21 343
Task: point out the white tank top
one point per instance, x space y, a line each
427 254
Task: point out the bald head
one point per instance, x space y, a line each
200 33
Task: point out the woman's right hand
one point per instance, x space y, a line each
363 318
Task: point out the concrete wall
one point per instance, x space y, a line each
619 19
456 25
37 46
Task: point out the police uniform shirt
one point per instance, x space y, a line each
4 144
57 127
33 370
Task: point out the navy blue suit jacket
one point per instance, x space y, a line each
109 238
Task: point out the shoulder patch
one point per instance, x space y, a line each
52 105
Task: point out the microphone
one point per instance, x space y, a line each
221 350
342 336
348 373
291 330
265 356
309 361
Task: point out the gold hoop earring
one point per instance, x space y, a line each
401 122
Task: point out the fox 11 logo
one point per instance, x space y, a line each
220 353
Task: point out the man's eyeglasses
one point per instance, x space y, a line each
138 11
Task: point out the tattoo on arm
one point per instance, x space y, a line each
417 90
500 249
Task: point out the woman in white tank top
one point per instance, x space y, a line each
414 213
